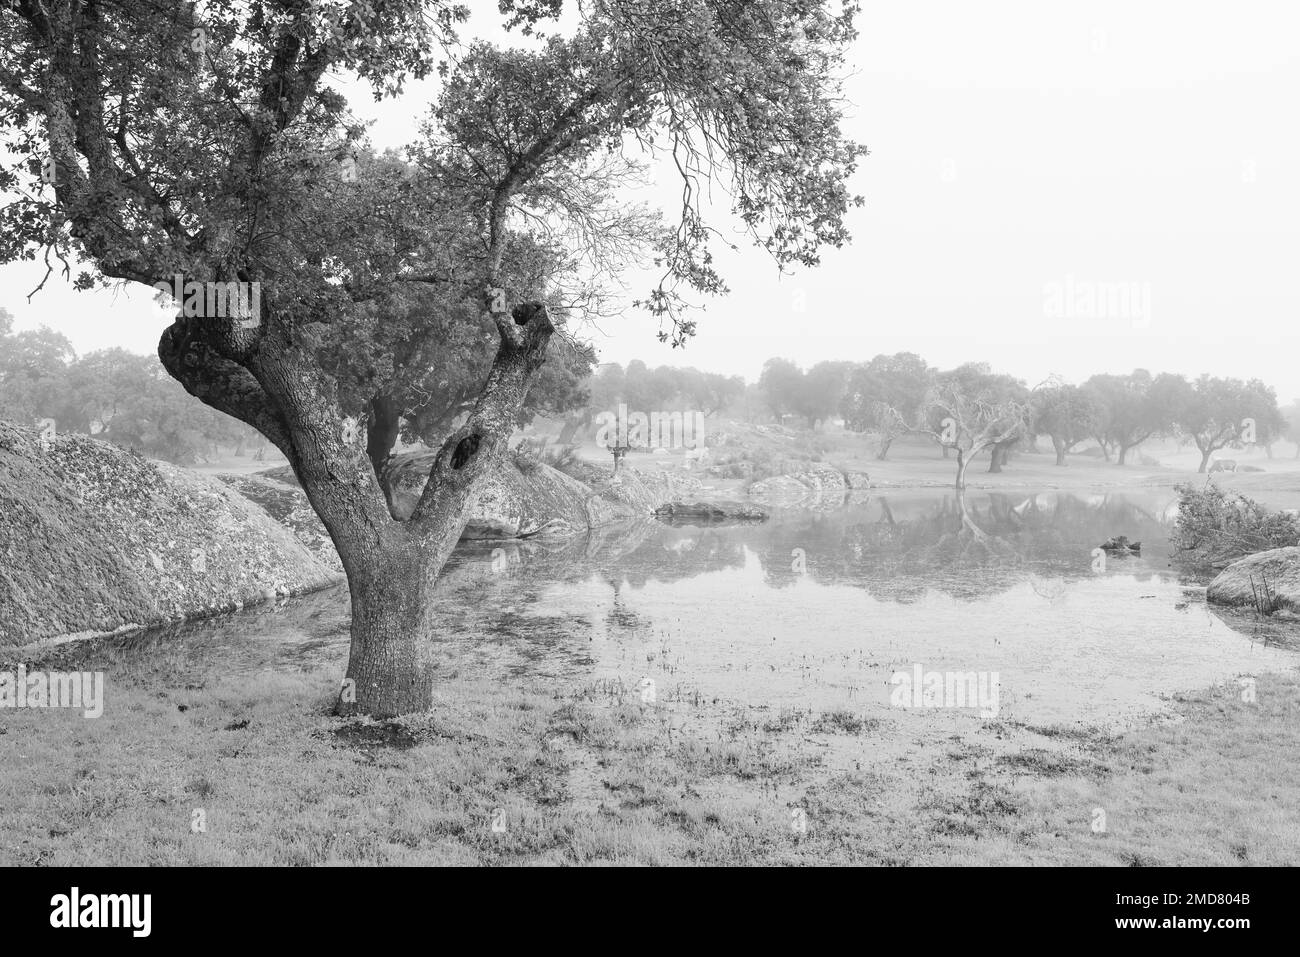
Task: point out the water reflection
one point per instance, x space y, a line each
812 609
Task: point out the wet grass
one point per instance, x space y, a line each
257 771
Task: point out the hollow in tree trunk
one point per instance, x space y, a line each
392 574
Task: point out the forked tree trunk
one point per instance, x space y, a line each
392 623
392 566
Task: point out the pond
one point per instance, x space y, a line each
814 610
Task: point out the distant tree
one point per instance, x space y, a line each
710 392
129 400
974 410
647 390
779 385
1218 412
1131 409
885 396
102 383
1291 425
33 370
1067 414
821 391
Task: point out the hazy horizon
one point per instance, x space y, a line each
1137 149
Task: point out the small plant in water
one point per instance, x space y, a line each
1265 600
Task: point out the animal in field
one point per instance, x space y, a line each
1224 465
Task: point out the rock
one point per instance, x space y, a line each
1120 544
95 540
710 513
814 482
284 500
539 499
1276 570
856 479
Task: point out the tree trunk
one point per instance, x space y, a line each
997 455
883 451
1123 452
392 585
1205 461
571 426
1059 445
392 566
389 669
962 462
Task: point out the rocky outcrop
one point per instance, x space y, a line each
286 502
520 502
710 513
515 502
815 482
95 539
1272 576
857 480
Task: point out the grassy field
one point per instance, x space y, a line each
593 775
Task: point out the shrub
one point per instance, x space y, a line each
530 453
1216 527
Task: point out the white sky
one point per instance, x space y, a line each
1015 144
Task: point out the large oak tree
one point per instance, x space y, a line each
211 142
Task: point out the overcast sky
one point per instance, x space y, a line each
1022 155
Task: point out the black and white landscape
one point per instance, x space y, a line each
648 432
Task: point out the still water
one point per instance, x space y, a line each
814 610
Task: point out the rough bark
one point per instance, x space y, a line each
392 567
393 582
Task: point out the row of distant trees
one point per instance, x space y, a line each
130 399
646 390
972 409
